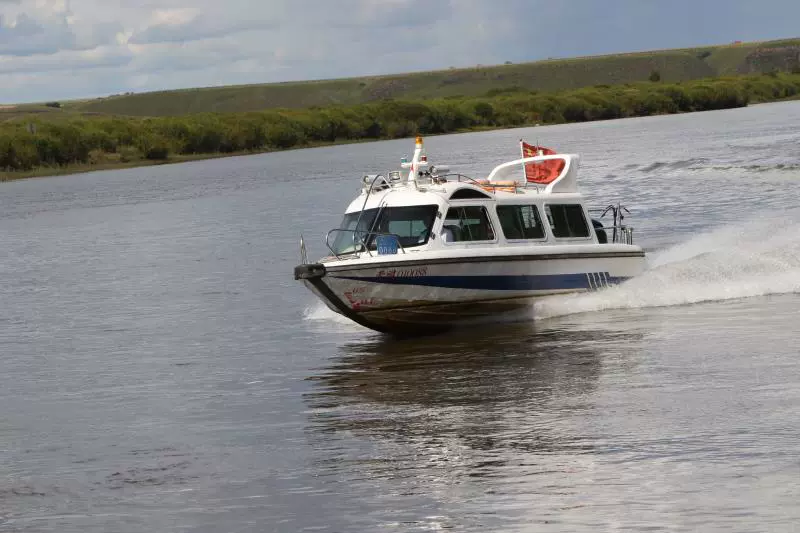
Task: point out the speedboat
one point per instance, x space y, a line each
423 250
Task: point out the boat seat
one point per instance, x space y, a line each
455 230
602 237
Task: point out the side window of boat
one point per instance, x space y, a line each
567 220
520 222
468 223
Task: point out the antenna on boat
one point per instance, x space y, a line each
418 145
416 161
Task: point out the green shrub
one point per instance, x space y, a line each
129 154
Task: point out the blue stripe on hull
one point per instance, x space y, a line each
592 280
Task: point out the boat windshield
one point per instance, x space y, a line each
411 224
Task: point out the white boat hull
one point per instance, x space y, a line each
416 296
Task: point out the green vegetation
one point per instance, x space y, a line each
551 75
55 140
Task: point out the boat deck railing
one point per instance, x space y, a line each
462 178
618 234
360 237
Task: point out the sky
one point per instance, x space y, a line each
67 49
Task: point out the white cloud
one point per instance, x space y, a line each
48 27
75 48
70 61
173 16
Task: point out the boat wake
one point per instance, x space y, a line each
319 314
755 258
756 170
319 311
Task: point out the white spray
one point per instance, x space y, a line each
753 258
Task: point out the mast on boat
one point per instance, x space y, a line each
418 161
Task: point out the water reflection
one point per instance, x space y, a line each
471 403
467 368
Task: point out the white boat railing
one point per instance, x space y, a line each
620 234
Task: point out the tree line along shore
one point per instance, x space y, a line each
41 145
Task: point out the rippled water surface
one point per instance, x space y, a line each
161 371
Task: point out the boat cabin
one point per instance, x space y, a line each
431 209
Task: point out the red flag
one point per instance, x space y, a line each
543 172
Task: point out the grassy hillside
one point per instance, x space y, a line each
40 144
550 75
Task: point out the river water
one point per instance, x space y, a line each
160 370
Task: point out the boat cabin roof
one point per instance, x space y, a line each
427 184
422 183
454 193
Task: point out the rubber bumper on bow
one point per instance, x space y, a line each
309 271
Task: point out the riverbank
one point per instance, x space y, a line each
82 168
40 146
